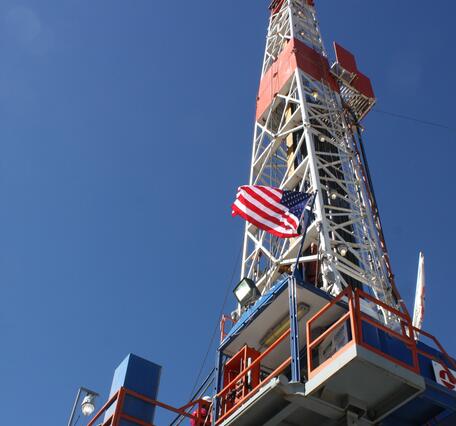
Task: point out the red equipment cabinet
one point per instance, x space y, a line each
238 363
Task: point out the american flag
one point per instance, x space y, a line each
274 210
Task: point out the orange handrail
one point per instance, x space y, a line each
357 317
327 332
367 296
442 350
404 337
348 315
119 396
243 373
338 298
277 371
104 408
223 321
254 363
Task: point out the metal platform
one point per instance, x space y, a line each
324 399
376 376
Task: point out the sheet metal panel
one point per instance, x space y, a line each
345 58
296 54
139 375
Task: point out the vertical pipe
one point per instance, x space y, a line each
73 411
217 386
294 331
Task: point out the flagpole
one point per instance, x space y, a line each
293 306
305 232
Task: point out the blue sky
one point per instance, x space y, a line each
125 128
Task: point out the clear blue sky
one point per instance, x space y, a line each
125 128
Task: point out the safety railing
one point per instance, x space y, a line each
116 402
223 321
350 302
313 343
405 337
416 332
222 396
205 389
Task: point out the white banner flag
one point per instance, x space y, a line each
418 311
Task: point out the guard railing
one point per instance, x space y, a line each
223 395
114 414
359 331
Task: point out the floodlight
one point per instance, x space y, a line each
246 292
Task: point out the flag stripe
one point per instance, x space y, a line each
263 195
260 225
277 219
272 209
272 192
242 207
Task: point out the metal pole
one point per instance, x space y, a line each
293 305
217 384
73 411
294 331
306 225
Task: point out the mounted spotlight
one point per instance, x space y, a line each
321 138
88 406
246 292
343 250
315 94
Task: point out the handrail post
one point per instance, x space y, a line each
294 331
309 351
351 310
359 324
217 386
119 407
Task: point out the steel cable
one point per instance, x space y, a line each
214 333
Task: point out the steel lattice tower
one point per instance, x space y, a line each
307 138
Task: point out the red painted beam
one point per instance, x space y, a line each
295 55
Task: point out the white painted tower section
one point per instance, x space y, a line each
305 140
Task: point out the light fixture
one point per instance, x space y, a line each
246 292
234 316
315 94
88 406
321 138
275 332
333 194
342 249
